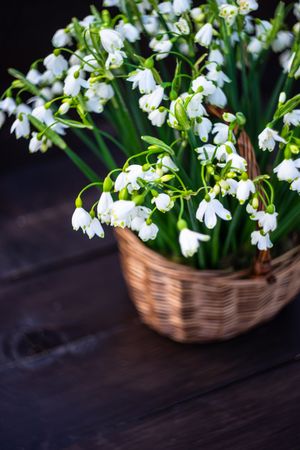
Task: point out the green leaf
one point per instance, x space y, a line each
73 123
287 107
154 141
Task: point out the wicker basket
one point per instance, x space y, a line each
190 305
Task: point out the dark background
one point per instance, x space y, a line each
25 35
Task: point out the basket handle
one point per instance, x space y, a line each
262 264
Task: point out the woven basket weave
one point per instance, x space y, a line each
190 305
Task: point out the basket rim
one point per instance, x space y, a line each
279 263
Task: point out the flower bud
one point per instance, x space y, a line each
240 118
282 97
107 184
123 194
181 224
255 203
149 63
181 115
173 95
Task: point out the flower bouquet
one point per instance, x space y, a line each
201 102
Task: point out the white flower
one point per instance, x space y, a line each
33 76
94 229
74 81
90 63
8 105
148 232
57 64
297 10
221 131
37 143
237 162
61 38
216 56
295 186
218 98
80 219
202 85
286 60
209 210
283 40
167 164
215 74
244 190
104 206
21 127
287 170
163 202
203 127
267 139
165 8
114 60
262 241
150 102
204 35
267 221
161 46
121 211
182 26
144 80
292 118
151 24
195 107
228 13
263 27
246 6
228 186
111 40
190 240
255 46
121 181
206 152
180 6
128 31
141 214
157 117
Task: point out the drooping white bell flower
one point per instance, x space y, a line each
228 186
218 98
115 60
8 105
292 118
267 221
141 214
286 60
80 219
43 114
190 240
255 46
202 128
167 164
148 232
216 56
206 152
195 107
90 63
295 185
237 162
204 35
180 6
21 127
74 81
33 76
228 13
128 31
157 117
287 170
163 202
144 80
165 8
244 189
216 74
61 38
121 211
57 64
38 143
134 173
104 206
151 24
94 229
162 46
182 26
150 102
268 138
202 85
209 210
57 88
246 6
262 240
111 40
221 131
283 40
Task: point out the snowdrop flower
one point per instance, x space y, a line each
206 152
163 202
167 164
90 63
165 8
2 119
57 64
111 40
295 186
151 24
121 211
283 40
204 35
149 102
237 162
37 143
180 6
267 221
104 206
195 108
262 241
61 38
43 114
157 117
182 26
144 80
57 88
287 170
80 219
244 189
121 181
246 6
228 13
190 240
228 186
141 214
286 60
221 131
292 118
134 172
218 98
161 46
209 210
267 139
33 76
148 232
203 127
21 127
202 85
263 27
94 229
216 56
255 46
216 74
114 60
128 31
74 81
8 105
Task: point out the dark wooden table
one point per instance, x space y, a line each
79 371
